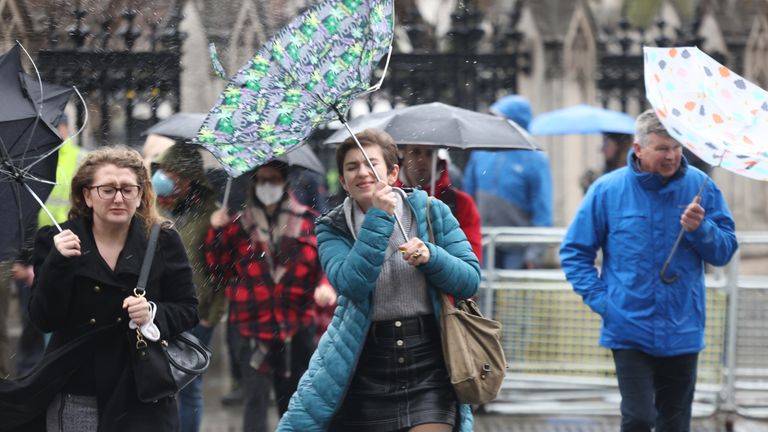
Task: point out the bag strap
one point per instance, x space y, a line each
429 222
146 265
445 299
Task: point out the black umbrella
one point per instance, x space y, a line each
28 144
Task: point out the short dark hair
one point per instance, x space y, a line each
368 138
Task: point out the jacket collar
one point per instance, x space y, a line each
653 181
130 259
337 218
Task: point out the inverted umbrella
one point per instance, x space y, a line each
305 75
302 77
715 113
184 126
582 120
28 144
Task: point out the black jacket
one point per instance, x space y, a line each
79 300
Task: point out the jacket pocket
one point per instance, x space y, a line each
629 243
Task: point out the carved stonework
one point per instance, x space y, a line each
12 24
756 53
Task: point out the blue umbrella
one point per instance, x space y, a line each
582 120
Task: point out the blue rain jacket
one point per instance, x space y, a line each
634 217
352 267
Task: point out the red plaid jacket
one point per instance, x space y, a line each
270 288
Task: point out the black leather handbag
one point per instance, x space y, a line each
163 368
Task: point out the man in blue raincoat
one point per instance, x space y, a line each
654 328
512 188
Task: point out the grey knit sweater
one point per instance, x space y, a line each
401 289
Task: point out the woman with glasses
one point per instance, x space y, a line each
83 295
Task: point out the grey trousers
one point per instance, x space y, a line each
72 413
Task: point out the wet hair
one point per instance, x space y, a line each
121 157
369 138
646 124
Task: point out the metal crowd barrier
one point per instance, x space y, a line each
550 337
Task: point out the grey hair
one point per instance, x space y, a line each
646 124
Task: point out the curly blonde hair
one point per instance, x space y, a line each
121 157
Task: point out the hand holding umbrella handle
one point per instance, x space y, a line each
668 261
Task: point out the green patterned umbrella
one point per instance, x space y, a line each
304 76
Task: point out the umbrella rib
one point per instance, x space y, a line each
55 149
39 108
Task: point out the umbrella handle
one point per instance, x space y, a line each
662 275
227 189
664 268
370 164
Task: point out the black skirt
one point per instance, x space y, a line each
400 380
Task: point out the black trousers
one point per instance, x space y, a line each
655 391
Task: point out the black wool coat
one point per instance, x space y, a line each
79 300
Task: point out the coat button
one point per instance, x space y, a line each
92 321
401 360
119 319
398 323
96 288
399 342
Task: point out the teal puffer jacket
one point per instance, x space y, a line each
352 267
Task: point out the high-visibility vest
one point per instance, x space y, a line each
58 200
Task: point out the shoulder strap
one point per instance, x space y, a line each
429 221
148 257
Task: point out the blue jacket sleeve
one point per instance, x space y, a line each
715 239
542 192
353 268
452 265
584 237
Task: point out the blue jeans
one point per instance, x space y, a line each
655 391
191 397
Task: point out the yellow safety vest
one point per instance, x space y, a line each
58 200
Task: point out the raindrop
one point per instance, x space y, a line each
707 71
740 84
662 64
676 112
686 54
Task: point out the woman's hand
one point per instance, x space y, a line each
325 295
384 198
138 309
67 243
415 252
219 218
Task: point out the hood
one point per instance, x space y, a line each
515 108
442 182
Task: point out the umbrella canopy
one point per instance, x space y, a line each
183 127
718 115
305 75
25 139
582 120
438 124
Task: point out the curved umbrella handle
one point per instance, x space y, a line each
664 268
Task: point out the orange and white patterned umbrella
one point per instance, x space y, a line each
714 112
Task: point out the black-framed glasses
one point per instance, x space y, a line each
108 192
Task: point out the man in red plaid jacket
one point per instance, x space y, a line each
267 254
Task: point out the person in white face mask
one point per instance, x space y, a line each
268 257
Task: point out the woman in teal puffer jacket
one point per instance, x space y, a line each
379 366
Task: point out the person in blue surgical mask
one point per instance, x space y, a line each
186 197
267 254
